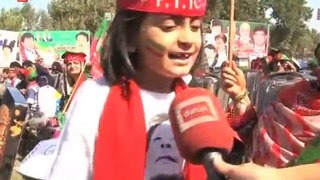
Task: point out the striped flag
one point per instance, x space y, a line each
286 126
96 48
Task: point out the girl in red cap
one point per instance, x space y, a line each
150 46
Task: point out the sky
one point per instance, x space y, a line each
42 4
314 23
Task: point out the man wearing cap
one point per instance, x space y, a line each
74 63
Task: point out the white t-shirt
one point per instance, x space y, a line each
76 151
47 100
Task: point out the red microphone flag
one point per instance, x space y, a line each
199 123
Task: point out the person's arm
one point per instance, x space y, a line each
242 103
302 172
234 83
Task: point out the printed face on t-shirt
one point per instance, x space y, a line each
162 155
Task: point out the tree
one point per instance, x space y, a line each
25 18
245 10
44 21
11 19
29 15
291 17
79 14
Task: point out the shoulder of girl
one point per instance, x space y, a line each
93 87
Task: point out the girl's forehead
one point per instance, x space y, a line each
161 17
172 7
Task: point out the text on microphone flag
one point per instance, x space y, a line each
194 111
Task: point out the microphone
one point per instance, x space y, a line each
200 129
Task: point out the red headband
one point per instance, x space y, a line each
173 7
73 56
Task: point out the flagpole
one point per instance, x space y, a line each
231 31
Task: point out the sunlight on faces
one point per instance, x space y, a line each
74 67
169 45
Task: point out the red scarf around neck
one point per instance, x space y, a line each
120 151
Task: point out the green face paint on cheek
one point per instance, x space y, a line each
155 47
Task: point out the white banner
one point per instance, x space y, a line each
9 48
37 164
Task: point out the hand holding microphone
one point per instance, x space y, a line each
200 129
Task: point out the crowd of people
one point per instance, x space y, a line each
117 126
46 90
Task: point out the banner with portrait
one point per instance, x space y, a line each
49 45
251 38
8 45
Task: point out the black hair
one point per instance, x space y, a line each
83 34
260 28
117 62
7 46
210 46
57 67
116 59
27 63
317 50
26 35
221 36
15 64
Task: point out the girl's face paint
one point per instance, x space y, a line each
156 48
169 45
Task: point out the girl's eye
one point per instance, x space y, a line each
196 25
168 25
168 28
195 28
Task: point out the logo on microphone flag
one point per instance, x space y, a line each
194 111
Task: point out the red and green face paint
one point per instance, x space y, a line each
31 73
156 48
